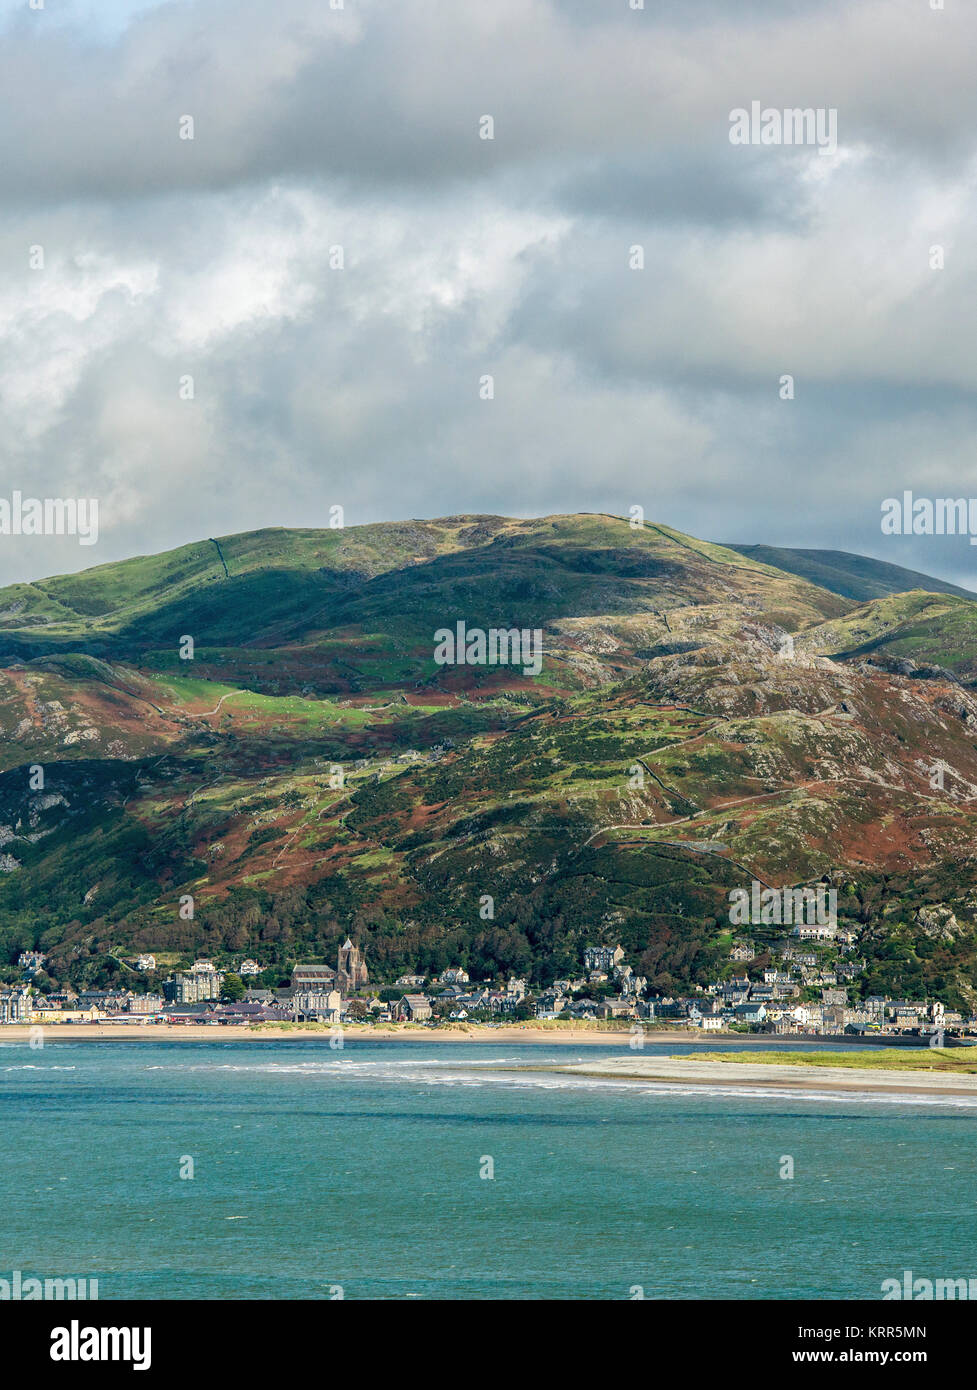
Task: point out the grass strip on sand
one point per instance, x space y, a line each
959 1060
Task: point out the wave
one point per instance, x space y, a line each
36 1066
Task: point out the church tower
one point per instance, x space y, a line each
351 973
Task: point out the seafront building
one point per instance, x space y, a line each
797 988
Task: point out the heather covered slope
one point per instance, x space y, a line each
312 771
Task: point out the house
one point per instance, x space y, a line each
195 987
454 975
668 1008
583 1008
709 1023
791 953
30 961
321 1005
616 1008
146 962
602 957
105 1000
551 1004
15 1004
706 1007
413 1008
248 967
501 1003
410 981
815 931
742 951
452 992
750 1013
629 982
145 1003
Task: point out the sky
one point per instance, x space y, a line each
210 265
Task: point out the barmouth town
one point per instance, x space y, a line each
805 984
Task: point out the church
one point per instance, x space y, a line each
351 973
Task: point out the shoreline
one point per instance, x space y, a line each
192 1032
633 1067
689 1071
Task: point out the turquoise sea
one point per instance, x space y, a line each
359 1169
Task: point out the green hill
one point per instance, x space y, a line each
312 772
853 576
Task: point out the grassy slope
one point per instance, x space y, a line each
930 629
853 576
960 1060
349 565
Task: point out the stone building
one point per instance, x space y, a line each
351 973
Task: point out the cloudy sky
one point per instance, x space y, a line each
316 128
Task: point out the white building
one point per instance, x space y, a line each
15 1004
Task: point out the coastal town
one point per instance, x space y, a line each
802 985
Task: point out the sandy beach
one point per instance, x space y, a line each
108 1032
690 1071
632 1066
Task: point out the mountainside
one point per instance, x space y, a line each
700 718
853 576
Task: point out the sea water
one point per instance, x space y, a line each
400 1170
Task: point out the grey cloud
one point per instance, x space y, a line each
509 257
391 95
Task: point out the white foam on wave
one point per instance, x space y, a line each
37 1066
433 1071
